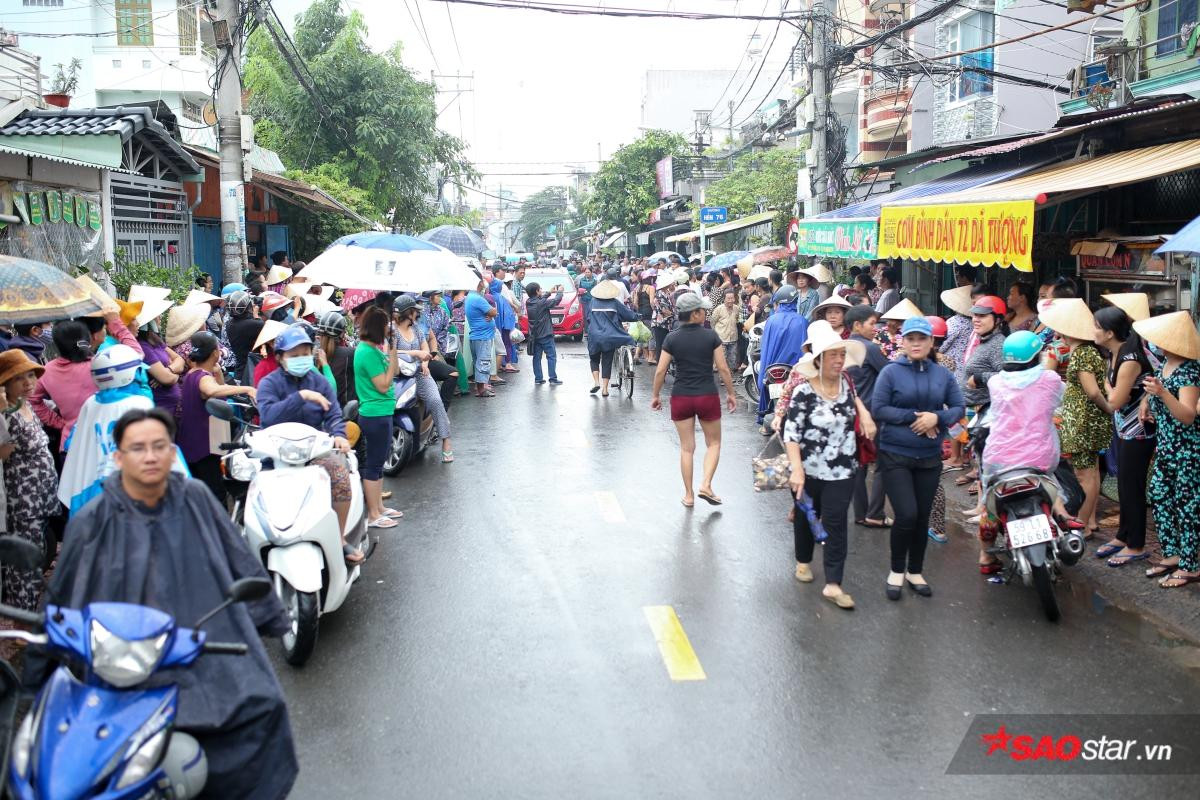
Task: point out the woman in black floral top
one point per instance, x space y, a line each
818 432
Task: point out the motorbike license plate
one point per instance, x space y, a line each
1028 531
775 390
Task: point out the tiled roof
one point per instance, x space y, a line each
124 121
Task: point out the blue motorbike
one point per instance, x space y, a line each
106 734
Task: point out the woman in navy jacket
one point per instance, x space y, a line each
915 402
605 332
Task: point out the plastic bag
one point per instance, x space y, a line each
639 332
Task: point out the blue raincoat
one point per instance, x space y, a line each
783 338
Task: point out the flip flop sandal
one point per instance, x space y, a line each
350 550
1180 580
1106 550
447 456
1158 570
709 498
887 523
686 504
498 380
963 480
383 522
973 490
952 468
1120 561
393 513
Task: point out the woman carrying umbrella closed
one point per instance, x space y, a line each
605 333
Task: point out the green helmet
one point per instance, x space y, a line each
1021 350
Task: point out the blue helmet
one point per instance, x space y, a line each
230 288
292 336
1021 350
786 294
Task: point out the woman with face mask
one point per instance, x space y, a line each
298 392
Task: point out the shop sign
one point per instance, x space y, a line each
984 234
837 238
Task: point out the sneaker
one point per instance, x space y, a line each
940 538
555 382
538 383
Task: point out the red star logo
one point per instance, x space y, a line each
996 741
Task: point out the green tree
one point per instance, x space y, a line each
624 191
312 232
766 178
372 125
540 210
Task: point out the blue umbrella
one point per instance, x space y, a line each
455 238
1186 241
724 260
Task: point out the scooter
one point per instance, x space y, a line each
412 423
1035 544
287 517
753 363
107 733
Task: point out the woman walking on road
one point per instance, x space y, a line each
818 432
605 333
1175 480
916 401
696 351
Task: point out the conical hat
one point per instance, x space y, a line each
905 309
606 290
1174 333
834 300
140 291
818 271
183 321
270 329
155 302
822 337
1136 305
1070 316
277 274
198 296
958 300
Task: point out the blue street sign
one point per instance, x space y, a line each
710 215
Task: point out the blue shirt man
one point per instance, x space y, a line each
480 317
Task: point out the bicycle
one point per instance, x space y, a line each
623 370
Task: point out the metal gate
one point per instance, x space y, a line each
151 221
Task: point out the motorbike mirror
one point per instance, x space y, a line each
20 553
244 590
350 412
219 409
241 591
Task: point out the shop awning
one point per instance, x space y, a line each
725 227
612 240
992 225
852 231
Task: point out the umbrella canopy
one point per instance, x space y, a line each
758 271
31 291
763 255
1186 241
725 260
390 262
455 238
664 254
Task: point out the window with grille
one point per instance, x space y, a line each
1173 15
192 111
135 24
188 32
43 3
966 33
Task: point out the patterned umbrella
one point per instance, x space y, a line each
31 291
353 298
762 255
725 260
390 262
455 238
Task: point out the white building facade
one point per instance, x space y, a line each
132 52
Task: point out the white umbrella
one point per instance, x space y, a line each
390 263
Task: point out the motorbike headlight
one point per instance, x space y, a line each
120 662
240 467
22 746
407 395
297 451
143 759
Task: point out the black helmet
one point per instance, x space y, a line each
404 303
612 273
786 294
331 324
239 304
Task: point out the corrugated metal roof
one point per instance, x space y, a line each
16 151
726 227
1114 169
965 179
123 121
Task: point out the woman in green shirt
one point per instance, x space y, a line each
374 372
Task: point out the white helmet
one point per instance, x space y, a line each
115 366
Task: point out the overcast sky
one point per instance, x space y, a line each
549 88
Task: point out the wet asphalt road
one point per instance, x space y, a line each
498 646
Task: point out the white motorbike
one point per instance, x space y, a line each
753 363
283 505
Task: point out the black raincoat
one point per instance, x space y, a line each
181 558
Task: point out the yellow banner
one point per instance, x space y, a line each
983 234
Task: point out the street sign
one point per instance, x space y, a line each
793 236
710 215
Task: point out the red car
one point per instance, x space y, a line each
567 317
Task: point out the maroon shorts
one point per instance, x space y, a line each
705 406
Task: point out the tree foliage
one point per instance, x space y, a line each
766 178
624 191
540 210
373 123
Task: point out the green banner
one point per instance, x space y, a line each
838 238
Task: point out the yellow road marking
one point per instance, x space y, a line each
610 507
673 644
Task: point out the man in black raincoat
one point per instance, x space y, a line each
157 538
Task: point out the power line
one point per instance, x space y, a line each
420 35
425 33
745 53
454 33
614 11
761 64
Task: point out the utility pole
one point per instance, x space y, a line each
818 74
229 133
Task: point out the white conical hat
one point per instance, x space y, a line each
1175 333
958 300
1070 316
1136 305
905 309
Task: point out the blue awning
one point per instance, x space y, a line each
1186 241
965 179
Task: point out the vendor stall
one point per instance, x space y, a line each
1115 264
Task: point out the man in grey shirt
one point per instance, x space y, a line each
861 320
